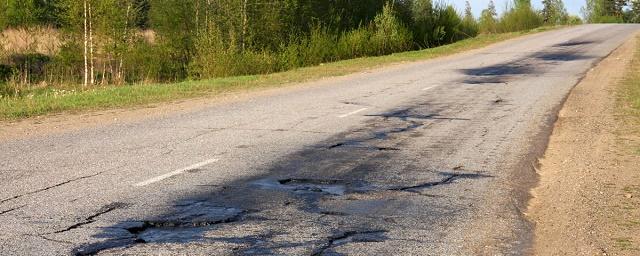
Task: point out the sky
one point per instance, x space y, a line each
573 6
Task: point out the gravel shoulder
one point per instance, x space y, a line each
587 201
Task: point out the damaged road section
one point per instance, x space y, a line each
50 187
368 236
328 187
393 123
532 64
188 222
91 219
448 179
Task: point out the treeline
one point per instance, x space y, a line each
103 42
612 11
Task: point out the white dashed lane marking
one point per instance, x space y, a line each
174 173
353 113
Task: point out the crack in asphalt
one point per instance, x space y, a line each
51 187
12 209
357 145
368 236
53 240
450 178
91 219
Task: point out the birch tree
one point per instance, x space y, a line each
86 43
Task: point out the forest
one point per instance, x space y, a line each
89 43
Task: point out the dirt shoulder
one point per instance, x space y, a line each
587 201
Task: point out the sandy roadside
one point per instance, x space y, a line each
587 201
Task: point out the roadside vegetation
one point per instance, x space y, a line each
631 95
627 210
632 82
59 55
612 11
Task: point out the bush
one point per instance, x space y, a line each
607 19
390 34
384 35
574 20
214 58
319 47
523 17
488 22
5 73
469 28
356 43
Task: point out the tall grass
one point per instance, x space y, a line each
632 82
519 18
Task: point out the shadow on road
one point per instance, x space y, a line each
314 200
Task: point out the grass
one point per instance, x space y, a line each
629 107
624 243
632 84
48 101
630 99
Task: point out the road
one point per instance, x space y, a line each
428 158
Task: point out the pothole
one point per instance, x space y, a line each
321 186
188 222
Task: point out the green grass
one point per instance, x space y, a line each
632 82
630 100
624 243
74 99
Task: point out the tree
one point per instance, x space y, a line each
488 19
468 13
635 11
469 26
554 12
522 4
604 11
86 41
423 23
175 24
21 13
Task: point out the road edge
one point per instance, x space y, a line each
554 124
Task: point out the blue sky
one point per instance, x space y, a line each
573 6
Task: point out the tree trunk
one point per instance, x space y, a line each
86 42
245 24
125 39
91 45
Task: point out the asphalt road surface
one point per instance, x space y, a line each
428 158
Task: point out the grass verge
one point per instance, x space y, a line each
631 94
632 84
47 101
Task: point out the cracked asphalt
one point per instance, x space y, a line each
427 158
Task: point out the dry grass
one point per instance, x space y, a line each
43 40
